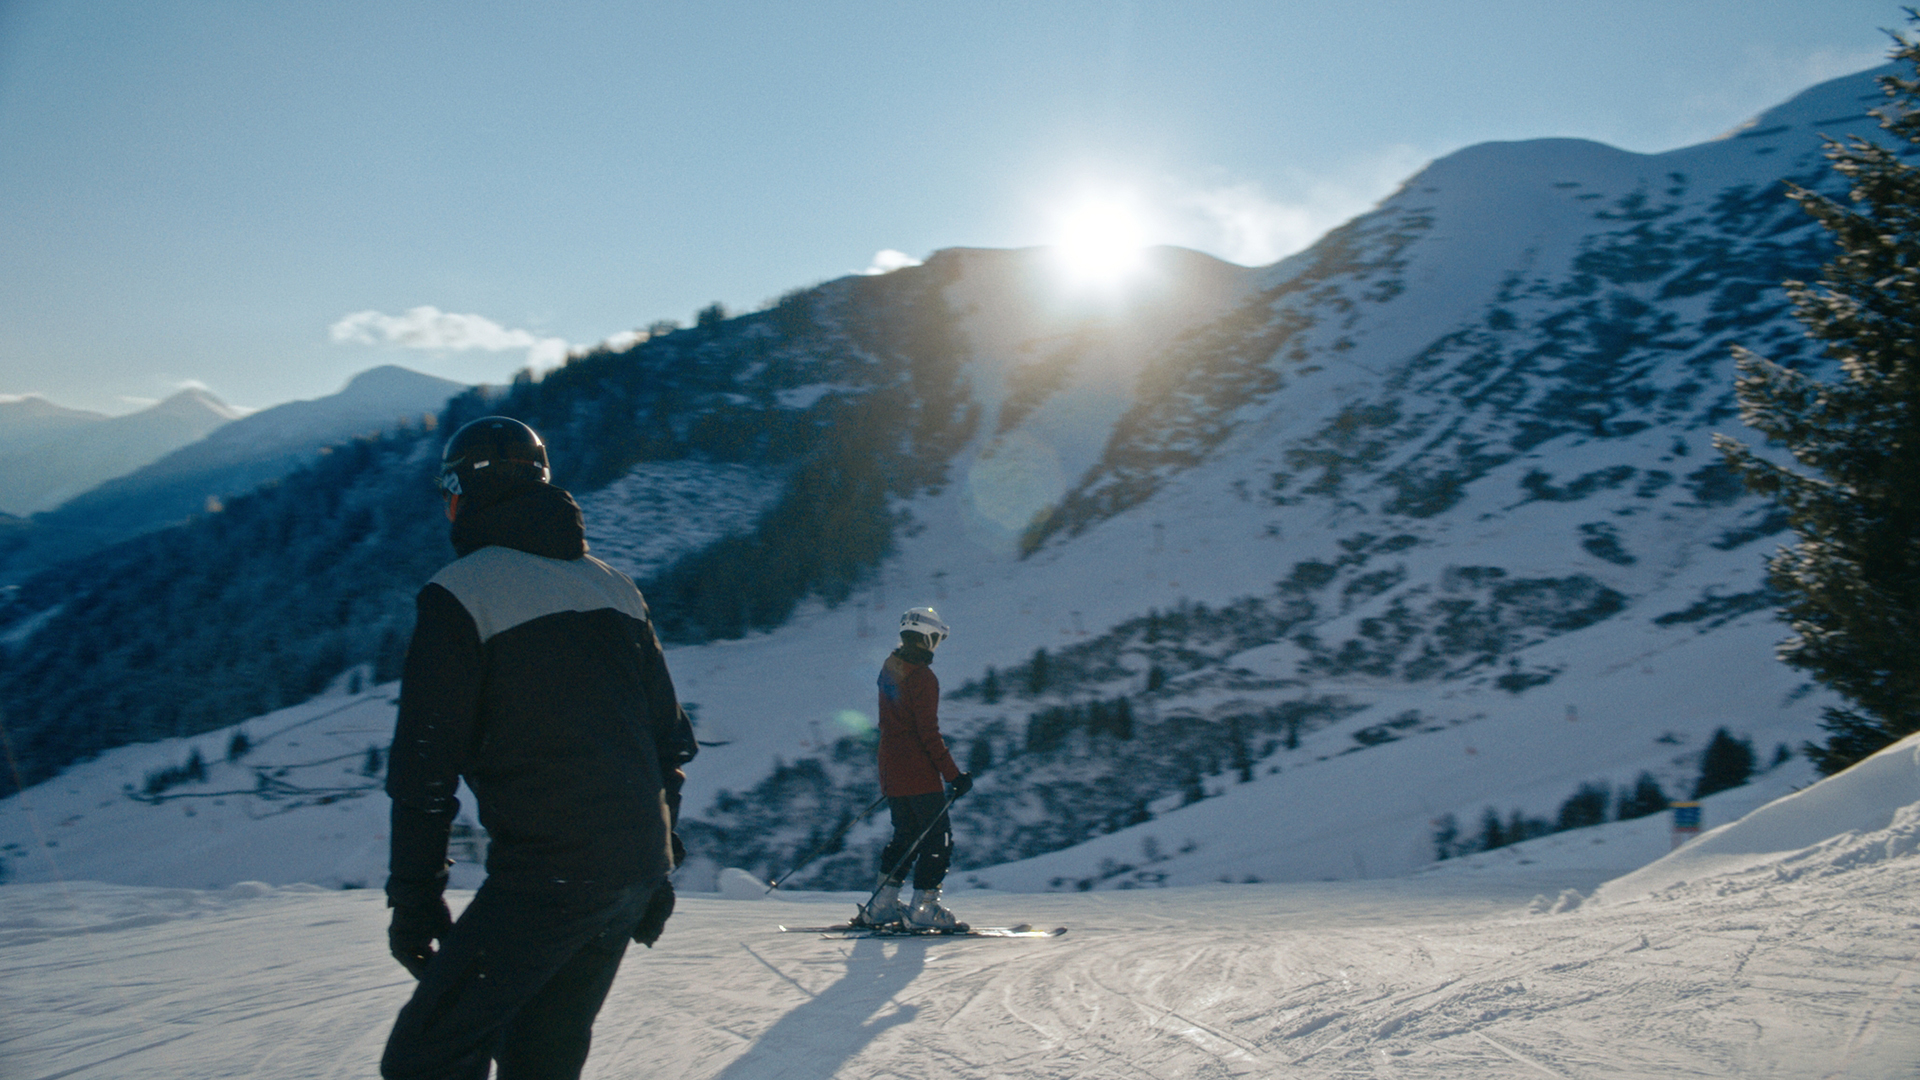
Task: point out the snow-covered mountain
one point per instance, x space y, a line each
1291 573
231 460
1437 494
272 442
49 454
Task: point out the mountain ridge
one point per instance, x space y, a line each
42 464
1418 490
1589 378
200 476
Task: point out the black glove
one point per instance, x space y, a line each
416 926
962 784
654 919
679 850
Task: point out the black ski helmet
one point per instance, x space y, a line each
492 452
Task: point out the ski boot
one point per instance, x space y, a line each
885 909
927 913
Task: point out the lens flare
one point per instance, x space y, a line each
853 721
1101 238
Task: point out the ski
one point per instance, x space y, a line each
848 930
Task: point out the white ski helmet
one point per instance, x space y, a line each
924 620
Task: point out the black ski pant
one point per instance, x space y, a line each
518 982
912 815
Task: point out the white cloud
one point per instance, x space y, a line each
624 340
1241 222
887 260
429 328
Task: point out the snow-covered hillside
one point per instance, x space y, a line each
1267 586
1285 574
1435 497
295 797
1796 964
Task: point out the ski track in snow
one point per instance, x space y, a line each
1776 976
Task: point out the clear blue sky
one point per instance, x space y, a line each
203 192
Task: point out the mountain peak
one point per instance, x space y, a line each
195 401
392 380
34 410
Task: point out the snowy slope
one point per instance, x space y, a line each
1480 416
1865 815
1797 967
298 806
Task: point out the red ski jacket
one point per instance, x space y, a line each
913 757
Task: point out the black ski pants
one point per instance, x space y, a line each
912 815
518 982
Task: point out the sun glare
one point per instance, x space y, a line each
1100 239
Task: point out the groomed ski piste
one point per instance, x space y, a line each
1778 945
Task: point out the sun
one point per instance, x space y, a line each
1100 238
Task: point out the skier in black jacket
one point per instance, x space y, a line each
535 674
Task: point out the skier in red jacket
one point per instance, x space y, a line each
914 762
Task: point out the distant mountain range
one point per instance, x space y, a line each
49 453
188 477
1242 544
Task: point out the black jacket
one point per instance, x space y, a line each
535 673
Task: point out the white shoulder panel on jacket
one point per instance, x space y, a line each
502 588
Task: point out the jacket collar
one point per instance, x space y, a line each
536 518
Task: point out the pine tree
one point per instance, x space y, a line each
1586 806
1242 752
1446 837
1491 834
1851 584
980 754
1727 762
1193 789
990 689
1037 674
1646 798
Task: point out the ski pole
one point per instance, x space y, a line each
829 842
912 850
